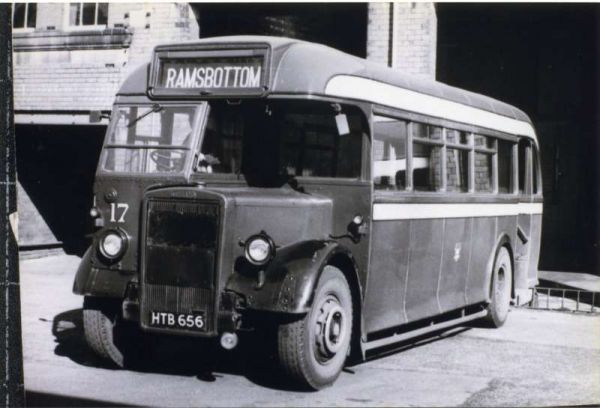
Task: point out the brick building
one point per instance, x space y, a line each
69 59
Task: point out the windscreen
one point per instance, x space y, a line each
150 139
268 142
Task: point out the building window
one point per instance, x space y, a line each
88 14
24 15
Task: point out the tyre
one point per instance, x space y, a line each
313 349
501 287
105 332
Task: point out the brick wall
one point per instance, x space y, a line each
52 73
67 80
49 15
153 24
58 70
404 36
378 33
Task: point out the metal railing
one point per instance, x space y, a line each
568 300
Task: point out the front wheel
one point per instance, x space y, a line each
501 289
313 349
105 333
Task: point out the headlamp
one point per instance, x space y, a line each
112 245
259 249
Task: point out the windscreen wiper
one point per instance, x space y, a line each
155 108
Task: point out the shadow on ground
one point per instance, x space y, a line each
203 359
172 355
42 399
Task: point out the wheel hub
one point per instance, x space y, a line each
331 327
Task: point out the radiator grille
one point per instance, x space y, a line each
181 249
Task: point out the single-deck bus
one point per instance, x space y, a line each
257 179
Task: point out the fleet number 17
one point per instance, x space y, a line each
118 207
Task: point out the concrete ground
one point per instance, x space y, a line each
538 358
575 280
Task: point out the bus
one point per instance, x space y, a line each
248 182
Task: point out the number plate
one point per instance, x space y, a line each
185 321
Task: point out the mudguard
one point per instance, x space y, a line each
90 281
287 283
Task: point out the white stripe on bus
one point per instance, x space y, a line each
346 86
393 211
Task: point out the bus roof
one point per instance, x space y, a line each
300 67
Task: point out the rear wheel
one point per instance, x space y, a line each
313 350
105 332
501 289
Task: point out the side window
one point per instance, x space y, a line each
427 157
389 153
483 164
535 175
457 161
505 167
523 163
314 147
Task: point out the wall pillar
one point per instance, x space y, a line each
403 36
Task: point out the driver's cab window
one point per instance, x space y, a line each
154 125
149 139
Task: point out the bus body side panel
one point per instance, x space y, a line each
455 263
535 238
507 226
426 240
349 199
523 256
385 297
484 233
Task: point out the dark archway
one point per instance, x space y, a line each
543 59
339 25
55 167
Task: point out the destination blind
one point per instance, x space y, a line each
211 73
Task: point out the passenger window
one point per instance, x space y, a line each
427 157
484 142
423 131
483 172
522 166
505 167
389 153
535 184
483 164
457 170
268 143
457 137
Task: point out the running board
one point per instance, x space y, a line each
396 338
